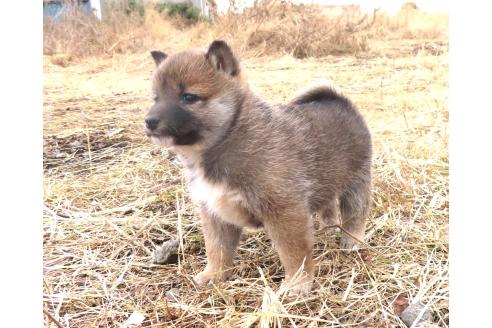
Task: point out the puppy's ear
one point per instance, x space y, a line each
158 56
222 59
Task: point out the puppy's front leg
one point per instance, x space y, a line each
293 237
221 239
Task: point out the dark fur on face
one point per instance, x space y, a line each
251 164
175 122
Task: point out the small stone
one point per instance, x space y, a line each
76 144
167 253
135 320
172 294
60 155
410 314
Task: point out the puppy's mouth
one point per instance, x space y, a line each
152 133
164 138
159 138
163 141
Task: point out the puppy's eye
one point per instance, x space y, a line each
156 99
189 98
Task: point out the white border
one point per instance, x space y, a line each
470 165
21 172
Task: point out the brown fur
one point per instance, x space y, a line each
251 164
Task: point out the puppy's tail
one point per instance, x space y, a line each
323 91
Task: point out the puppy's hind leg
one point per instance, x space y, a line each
354 208
292 235
329 213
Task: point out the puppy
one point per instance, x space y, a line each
249 164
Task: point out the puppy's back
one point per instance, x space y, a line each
339 140
336 124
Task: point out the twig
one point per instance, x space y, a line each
114 45
89 150
52 319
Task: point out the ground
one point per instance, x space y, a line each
111 197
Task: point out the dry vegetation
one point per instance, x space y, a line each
111 197
269 28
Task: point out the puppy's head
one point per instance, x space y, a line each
197 96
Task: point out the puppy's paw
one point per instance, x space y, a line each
299 289
208 277
204 278
348 243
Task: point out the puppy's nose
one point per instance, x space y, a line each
151 122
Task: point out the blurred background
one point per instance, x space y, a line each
76 29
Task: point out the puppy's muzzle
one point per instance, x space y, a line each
172 121
151 122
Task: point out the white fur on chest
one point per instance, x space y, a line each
210 193
219 199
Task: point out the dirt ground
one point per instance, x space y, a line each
111 197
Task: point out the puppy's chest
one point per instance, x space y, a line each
219 199
211 194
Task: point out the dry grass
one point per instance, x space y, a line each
111 197
274 27
271 27
410 24
78 35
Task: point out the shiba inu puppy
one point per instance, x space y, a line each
249 164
